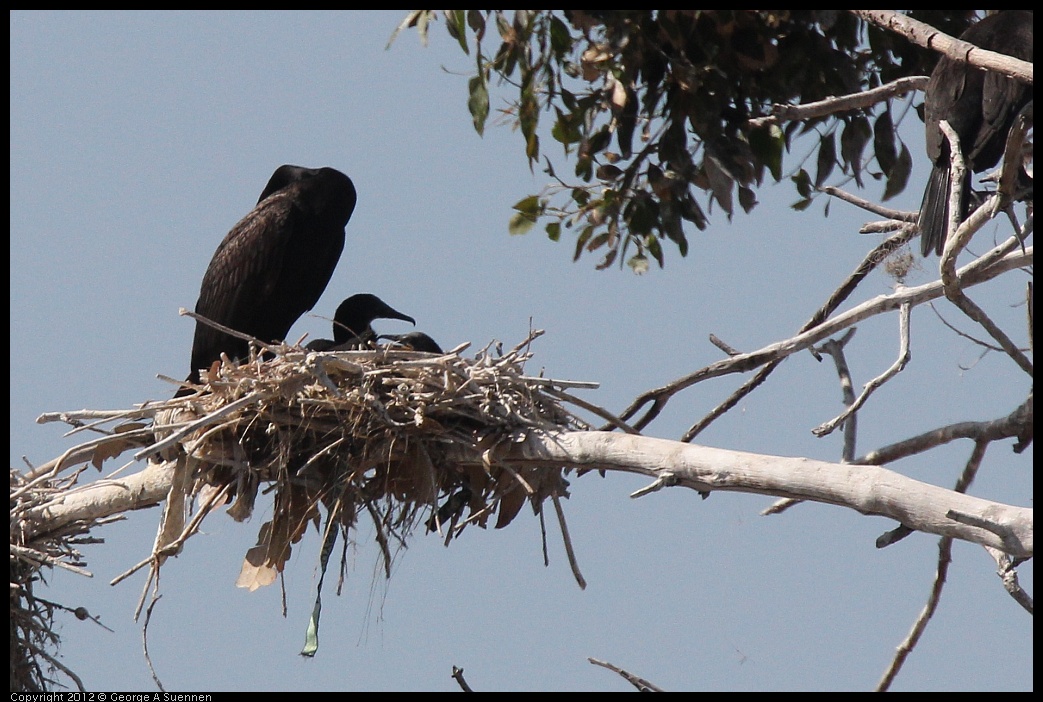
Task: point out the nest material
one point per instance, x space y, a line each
32 667
336 436
366 434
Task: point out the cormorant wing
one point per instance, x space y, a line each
274 264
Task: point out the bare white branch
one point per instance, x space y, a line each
866 489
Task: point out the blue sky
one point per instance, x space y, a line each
139 139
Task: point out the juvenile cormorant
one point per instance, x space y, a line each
275 263
414 341
351 323
980 106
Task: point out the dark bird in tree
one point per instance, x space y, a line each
274 264
980 106
414 341
351 323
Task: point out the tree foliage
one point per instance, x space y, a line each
661 113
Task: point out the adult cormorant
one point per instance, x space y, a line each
980 106
274 264
351 323
414 341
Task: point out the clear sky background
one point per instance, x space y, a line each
139 139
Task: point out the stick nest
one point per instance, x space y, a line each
400 438
366 434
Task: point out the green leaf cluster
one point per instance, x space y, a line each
658 112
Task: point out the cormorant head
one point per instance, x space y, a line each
327 188
283 176
414 341
354 315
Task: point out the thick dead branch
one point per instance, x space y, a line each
868 490
391 434
928 37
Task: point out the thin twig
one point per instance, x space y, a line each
1009 426
573 562
895 217
816 330
907 645
1005 569
944 559
835 349
869 388
641 684
845 103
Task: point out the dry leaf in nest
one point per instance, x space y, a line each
293 510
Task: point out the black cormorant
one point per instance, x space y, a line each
351 323
980 106
414 341
274 264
